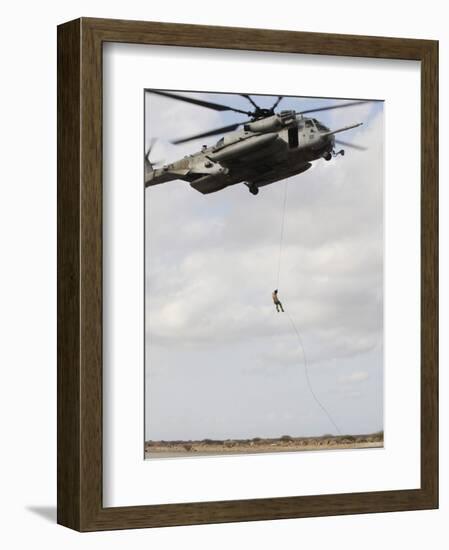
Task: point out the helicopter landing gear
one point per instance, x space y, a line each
253 189
329 155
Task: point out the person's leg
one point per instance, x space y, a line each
277 307
280 304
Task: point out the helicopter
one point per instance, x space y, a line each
267 147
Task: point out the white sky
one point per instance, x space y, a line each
220 362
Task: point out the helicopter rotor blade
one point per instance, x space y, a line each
200 102
214 132
351 145
276 103
251 100
272 108
330 107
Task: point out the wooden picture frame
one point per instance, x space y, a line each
80 504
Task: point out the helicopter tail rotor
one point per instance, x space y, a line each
151 165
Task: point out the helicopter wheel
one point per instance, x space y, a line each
253 189
327 156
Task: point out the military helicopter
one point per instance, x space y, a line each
268 147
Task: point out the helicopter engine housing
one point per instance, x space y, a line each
271 124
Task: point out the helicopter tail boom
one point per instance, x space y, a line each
161 175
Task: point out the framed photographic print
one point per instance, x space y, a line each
214 276
247 274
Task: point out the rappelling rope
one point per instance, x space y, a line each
306 366
306 370
281 241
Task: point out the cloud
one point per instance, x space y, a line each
355 377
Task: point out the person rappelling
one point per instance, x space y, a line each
276 301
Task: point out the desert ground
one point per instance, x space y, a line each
286 443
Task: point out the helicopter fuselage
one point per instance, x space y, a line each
261 152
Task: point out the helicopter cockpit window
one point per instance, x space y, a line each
320 126
309 124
